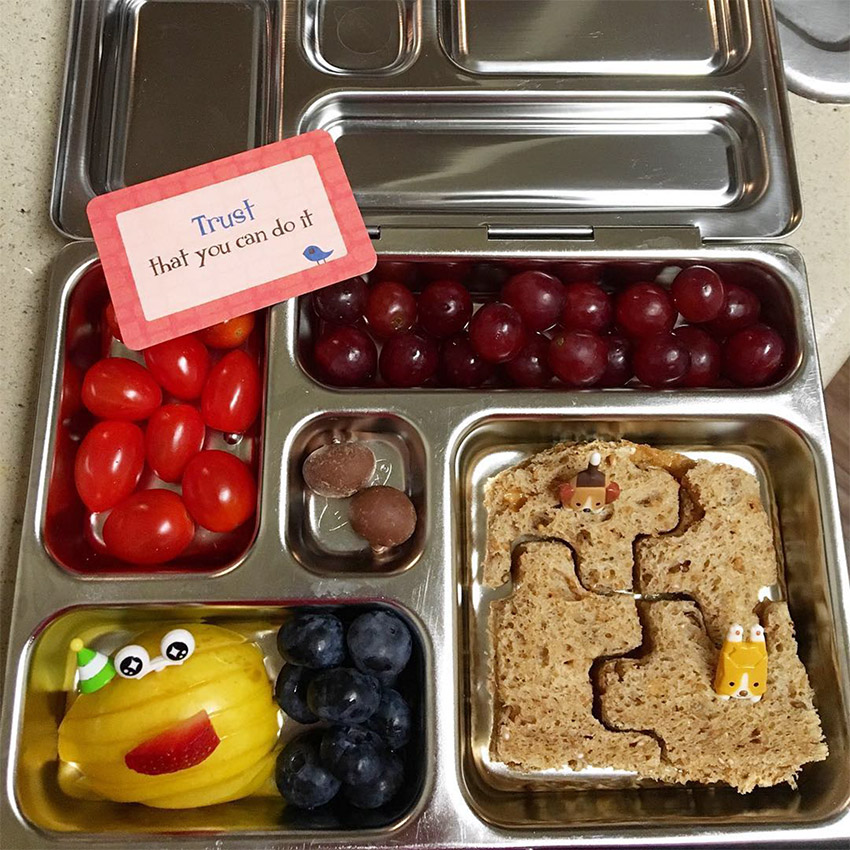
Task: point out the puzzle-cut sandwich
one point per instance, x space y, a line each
554 627
721 555
689 549
525 502
706 739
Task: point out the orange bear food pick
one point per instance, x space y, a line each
590 490
742 665
184 717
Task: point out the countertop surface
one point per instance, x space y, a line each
32 52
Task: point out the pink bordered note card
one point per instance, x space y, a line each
191 249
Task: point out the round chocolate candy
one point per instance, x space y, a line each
384 516
339 470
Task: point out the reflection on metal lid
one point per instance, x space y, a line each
639 37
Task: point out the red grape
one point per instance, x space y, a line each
497 332
445 306
571 271
645 309
705 354
740 310
445 271
753 356
399 271
526 265
698 293
488 276
537 297
461 365
578 358
391 309
346 356
704 369
588 307
618 369
408 360
661 360
530 368
342 303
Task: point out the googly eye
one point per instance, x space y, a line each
177 645
132 662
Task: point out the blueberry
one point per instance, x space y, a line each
353 755
312 640
343 695
374 794
380 644
290 691
391 719
301 777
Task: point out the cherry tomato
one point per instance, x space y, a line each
179 365
148 527
229 334
118 388
231 398
62 493
72 384
111 322
109 463
219 490
175 434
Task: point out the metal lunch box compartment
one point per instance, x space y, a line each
48 793
66 532
145 83
487 271
638 136
780 456
317 530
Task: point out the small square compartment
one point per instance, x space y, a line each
70 539
317 530
374 37
47 672
772 449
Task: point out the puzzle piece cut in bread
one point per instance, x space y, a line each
721 554
705 738
545 637
523 501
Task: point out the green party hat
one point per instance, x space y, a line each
94 668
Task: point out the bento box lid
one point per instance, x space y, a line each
515 116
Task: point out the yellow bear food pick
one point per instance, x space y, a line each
742 665
189 720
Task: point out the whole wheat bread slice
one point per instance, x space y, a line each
523 502
544 639
721 554
706 739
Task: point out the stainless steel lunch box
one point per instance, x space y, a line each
644 134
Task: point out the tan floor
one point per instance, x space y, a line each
838 413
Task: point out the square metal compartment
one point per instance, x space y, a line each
781 458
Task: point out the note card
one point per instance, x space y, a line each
203 245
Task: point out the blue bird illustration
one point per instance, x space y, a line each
315 254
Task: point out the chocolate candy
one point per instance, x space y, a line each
384 516
339 470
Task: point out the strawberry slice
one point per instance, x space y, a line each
182 746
